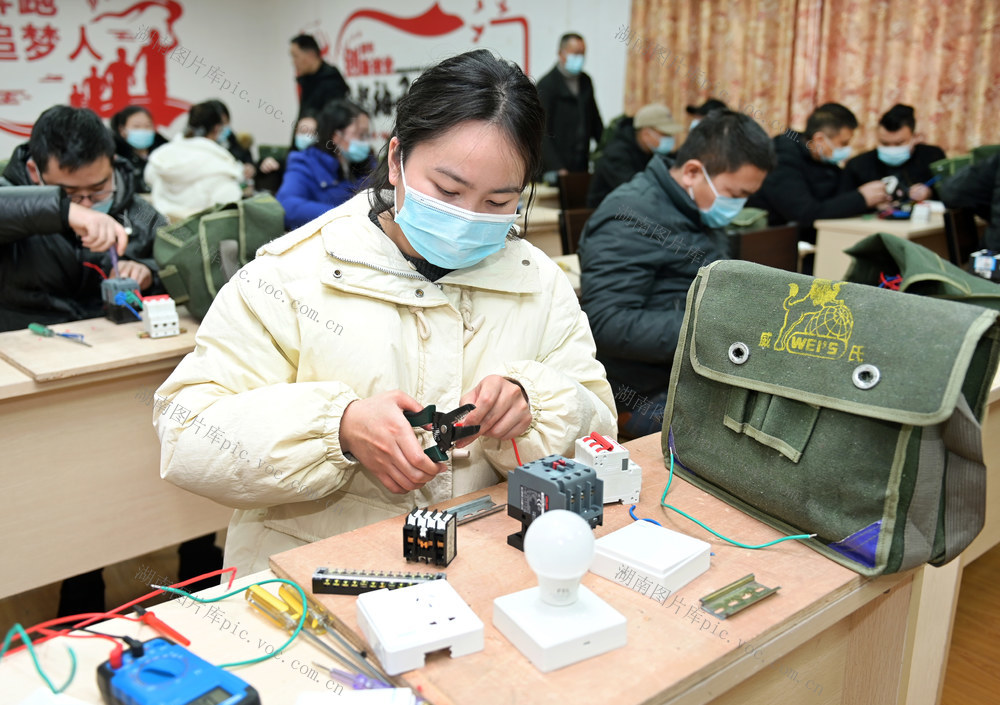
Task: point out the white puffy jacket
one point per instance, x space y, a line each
190 174
332 312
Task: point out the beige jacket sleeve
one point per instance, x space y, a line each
228 431
567 387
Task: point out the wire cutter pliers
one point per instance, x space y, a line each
444 427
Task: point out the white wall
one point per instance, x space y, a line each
247 44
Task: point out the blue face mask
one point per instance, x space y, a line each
358 151
574 63
694 123
304 141
140 139
839 153
103 206
894 156
449 236
224 134
666 145
723 210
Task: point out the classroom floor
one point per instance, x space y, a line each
972 677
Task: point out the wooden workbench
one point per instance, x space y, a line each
828 636
81 478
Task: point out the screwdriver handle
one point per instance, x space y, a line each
39 329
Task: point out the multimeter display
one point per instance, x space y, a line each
169 674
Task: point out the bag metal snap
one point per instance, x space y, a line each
739 353
866 376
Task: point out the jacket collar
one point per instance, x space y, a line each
350 237
659 170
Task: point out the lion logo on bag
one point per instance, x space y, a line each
822 323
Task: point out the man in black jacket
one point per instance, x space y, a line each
634 140
808 183
64 199
642 248
319 82
977 186
571 115
900 154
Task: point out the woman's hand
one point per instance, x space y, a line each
502 410
268 165
136 270
375 432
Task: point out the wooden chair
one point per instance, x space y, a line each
962 234
571 224
776 246
573 190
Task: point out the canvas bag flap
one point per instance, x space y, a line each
808 339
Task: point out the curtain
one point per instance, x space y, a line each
776 60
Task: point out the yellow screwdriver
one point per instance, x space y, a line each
275 610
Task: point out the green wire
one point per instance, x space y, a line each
298 628
19 630
663 503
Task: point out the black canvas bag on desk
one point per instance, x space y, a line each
836 409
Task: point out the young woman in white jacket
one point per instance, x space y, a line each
417 292
194 171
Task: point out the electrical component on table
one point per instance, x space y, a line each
161 318
331 581
554 482
158 671
429 536
120 309
621 476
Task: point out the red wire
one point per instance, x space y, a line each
94 266
91 617
516 454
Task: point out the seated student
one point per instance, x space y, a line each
331 171
194 171
63 202
634 141
642 248
229 140
977 186
808 183
899 153
424 296
698 112
271 171
135 137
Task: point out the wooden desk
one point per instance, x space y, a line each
828 636
81 479
835 236
543 229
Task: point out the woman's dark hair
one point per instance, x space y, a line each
474 86
204 117
335 116
898 117
119 119
726 140
76 137
221 106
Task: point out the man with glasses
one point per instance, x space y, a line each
65 200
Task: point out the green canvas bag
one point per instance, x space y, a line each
923 272
199 254
836 409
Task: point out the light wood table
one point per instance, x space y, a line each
828 636
80 477
835 236
543 229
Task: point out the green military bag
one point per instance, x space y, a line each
836 409
880 257
199 254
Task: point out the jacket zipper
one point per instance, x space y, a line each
397 272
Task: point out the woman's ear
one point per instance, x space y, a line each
394 157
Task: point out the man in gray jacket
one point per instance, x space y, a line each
642 248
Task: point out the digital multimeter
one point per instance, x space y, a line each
168 674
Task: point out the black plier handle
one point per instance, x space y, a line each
444 428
